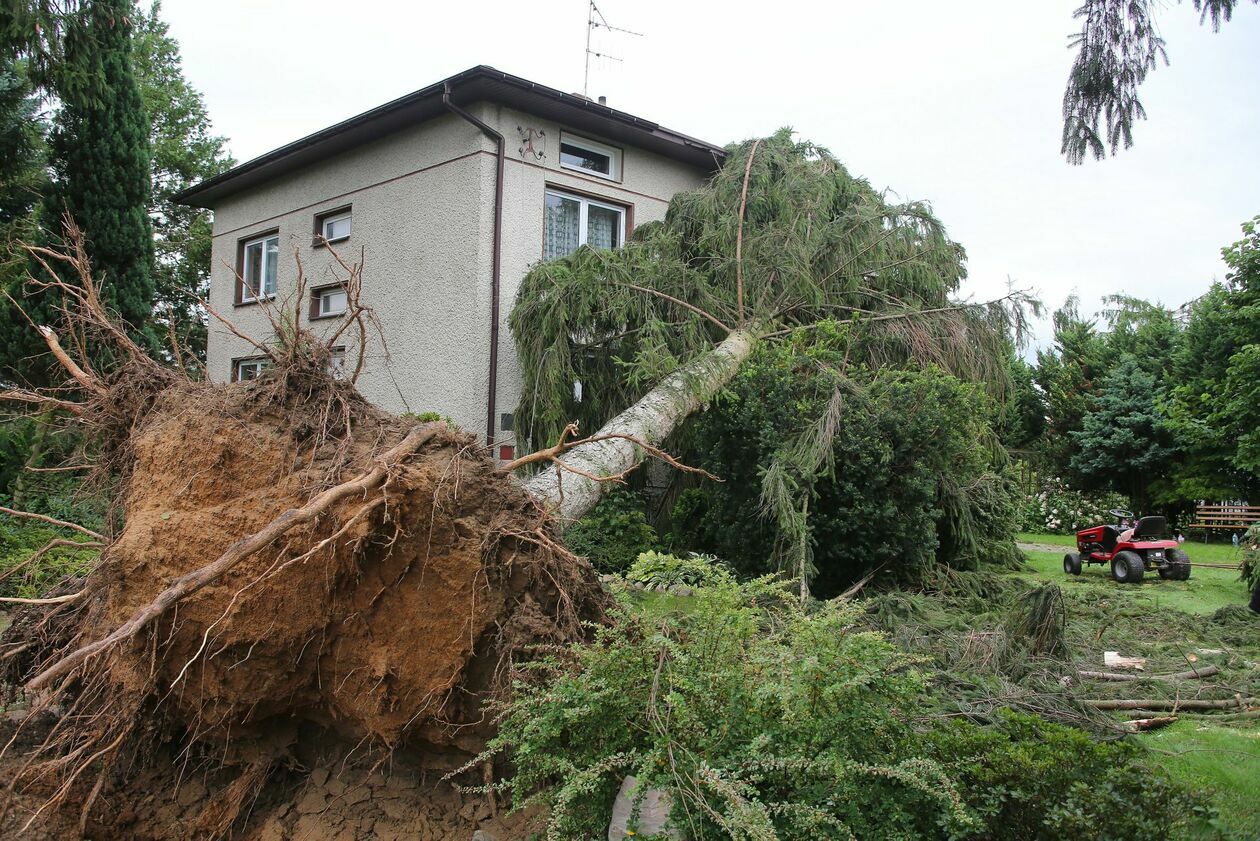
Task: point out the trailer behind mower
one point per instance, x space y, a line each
1130 551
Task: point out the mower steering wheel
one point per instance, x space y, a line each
1121 514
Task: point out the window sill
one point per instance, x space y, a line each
320 242
252 301
328 316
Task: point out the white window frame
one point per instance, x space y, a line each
249 296
321 294
252 361
584 204
325 221
613 154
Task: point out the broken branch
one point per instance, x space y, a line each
44 518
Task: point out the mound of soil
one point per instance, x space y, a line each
376 634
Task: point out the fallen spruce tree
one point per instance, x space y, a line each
294 574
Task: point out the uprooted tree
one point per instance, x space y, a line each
782 243
282 555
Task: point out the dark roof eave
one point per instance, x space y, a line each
474 85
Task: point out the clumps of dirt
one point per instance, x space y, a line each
385 626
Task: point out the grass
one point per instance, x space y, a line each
1207 591
1219 760
1167 621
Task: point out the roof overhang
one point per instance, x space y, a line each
480 84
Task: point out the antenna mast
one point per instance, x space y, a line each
594 20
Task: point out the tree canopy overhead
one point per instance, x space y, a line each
1119 43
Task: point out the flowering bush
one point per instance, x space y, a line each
1058 509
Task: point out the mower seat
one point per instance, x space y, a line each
1150 528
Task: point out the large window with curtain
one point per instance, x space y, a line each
573 221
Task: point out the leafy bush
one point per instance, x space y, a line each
1028 778
19 539
1058 509
694 570
1251 557
911 477
763 719
614 533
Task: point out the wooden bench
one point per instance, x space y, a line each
1225 516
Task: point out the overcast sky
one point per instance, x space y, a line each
954 102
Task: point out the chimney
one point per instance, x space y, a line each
603 100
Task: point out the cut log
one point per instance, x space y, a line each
570 495
1115 660
1170 704
1139 724
1193 674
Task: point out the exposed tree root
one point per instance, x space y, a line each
294 565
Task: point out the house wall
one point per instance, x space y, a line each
423 210
647 184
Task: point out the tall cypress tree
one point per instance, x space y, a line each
101 157
99 160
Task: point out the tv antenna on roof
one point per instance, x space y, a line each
594 20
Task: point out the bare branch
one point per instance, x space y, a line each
739 234
53 521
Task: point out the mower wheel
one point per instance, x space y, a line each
1127 567
1072 563
1179 563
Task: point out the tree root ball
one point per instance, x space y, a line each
393 617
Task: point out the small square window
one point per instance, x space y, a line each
332 226
588 156
247 369
330 302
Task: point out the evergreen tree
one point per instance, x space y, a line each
99 161
1118 45
100 152
1068 376
1124 443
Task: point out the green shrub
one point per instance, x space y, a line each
1028 778
912 476
614 533
763 719
694 570
19 539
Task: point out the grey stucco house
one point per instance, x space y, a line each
452 192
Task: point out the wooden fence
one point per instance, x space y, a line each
1225 515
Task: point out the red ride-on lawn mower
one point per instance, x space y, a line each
1130 551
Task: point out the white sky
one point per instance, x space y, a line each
954 102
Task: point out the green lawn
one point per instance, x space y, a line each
1223 761
1205 592
1163 620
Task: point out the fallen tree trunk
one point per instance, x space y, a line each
1167 704
571 493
